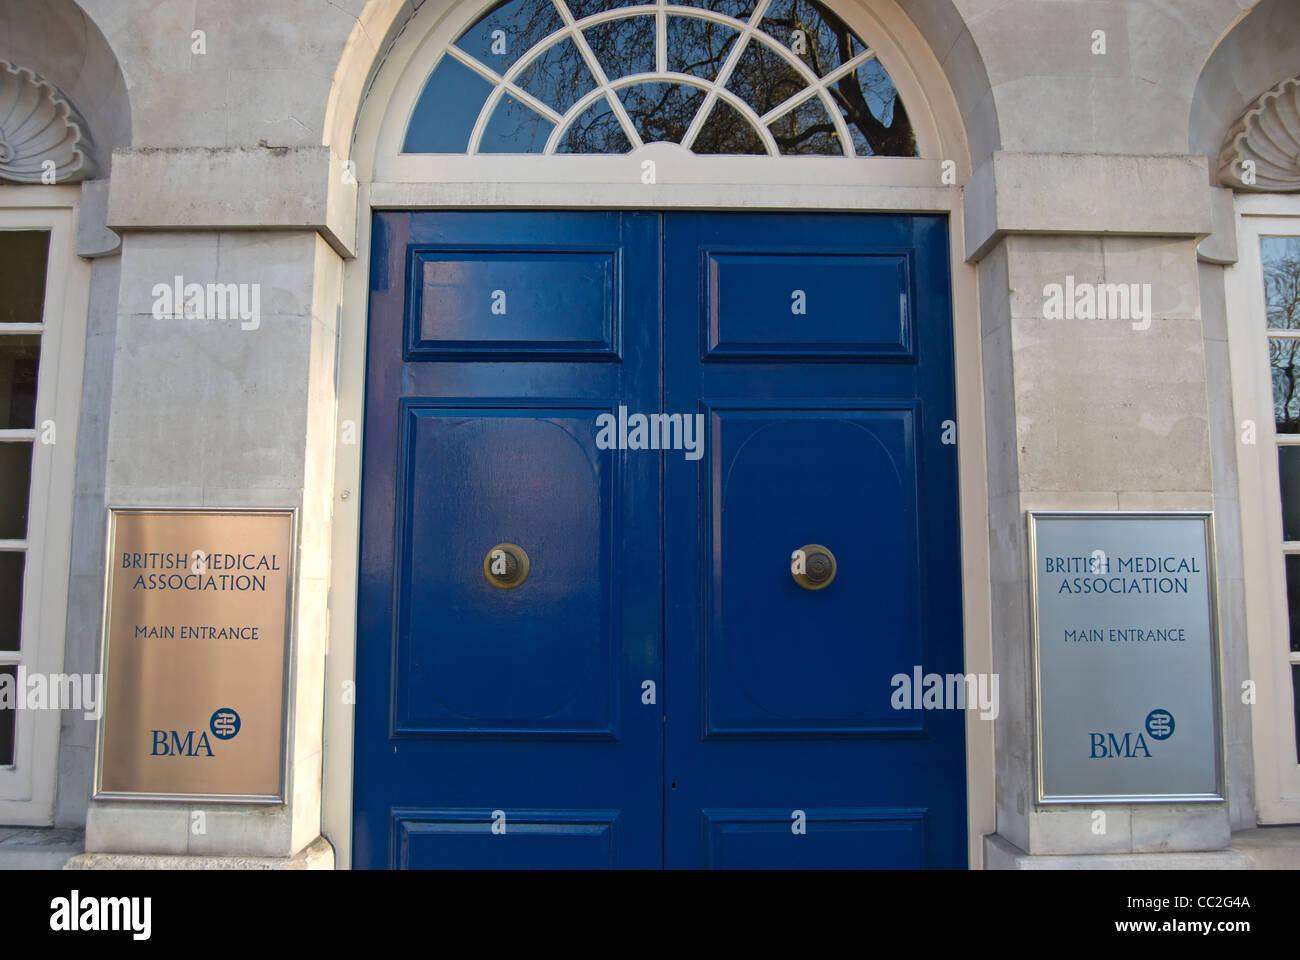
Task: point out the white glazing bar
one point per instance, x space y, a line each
789 104
661 38
602 84
849 66
504 86
724 74
687 80
575 111
482 69
837 118
837 115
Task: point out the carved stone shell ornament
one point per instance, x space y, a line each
1264 145
38 124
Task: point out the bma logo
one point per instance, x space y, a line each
224 724
1160 724
1159 727
168 743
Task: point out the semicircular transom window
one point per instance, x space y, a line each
767 77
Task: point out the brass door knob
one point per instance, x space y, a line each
506 566
813 566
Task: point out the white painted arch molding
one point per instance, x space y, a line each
1262 150
39 125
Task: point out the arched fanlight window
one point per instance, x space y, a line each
774 77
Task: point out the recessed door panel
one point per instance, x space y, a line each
523 303
800 303
782 659
519 840
475 656
859 839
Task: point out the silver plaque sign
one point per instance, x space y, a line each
1125 657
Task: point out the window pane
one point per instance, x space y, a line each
623 47
1288 466
15 480
1295 705
19 358
1293 598
7 724
445 113
698 47
1284 359
807 129
661 111
585 8
596 130
515 128
22 275
814 34
521 24
727 131
11 598
877 121
739 9
763 78
1281 258
558 77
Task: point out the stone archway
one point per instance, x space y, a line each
365 122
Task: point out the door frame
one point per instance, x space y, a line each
720 184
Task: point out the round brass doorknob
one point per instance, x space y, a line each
813 566
506 566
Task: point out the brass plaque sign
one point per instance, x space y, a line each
1126 657
197 620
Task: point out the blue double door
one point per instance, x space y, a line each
656 511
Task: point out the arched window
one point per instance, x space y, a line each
773 77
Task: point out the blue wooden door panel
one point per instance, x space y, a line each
532 661
560 300
494 727
531 839
859 839
807 303
825 379
778 658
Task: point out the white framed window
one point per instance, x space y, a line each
565 92
738 77
1264 343
43 301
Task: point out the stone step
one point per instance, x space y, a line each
38 848
1270 848
1001 854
